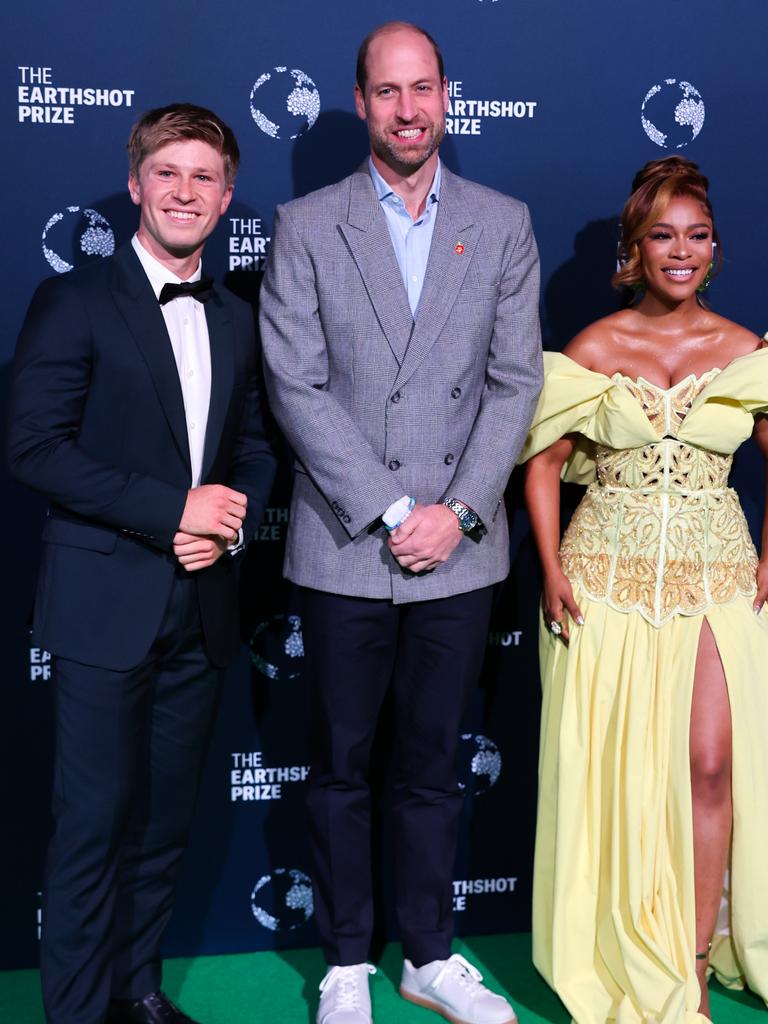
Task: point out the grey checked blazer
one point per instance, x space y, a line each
377 405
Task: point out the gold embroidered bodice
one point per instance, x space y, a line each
659 531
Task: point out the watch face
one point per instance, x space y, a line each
468 520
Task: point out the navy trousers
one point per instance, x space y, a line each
430 653
129 748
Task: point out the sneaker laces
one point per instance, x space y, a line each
347 981
465 973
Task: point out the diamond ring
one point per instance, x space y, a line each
556 627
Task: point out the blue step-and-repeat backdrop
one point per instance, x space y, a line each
557 102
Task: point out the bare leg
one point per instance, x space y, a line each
710 749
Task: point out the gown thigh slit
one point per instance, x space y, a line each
657 551
710 759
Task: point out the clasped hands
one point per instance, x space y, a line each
212 518
426 538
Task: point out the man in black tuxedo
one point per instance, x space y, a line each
135 409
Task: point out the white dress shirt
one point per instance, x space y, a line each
188 330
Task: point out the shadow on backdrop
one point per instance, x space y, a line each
334 148
580 291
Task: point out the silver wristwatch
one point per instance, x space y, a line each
468 519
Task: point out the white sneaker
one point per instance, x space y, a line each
345 998
453 988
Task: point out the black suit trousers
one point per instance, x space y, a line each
129 748
430 653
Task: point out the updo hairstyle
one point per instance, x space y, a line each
653 187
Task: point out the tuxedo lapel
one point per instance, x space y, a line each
367 236
221 339
453 245
141 311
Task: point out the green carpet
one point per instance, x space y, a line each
281 988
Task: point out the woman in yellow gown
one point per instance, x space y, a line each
652 838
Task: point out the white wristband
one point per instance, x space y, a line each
398 512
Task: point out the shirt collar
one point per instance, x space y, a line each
384 191
157 273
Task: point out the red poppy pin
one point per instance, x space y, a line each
458 248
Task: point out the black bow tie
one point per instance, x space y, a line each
200 290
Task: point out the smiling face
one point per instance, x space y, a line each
405 101
677 250
182 191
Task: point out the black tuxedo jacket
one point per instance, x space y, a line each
97 424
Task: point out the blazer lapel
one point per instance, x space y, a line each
367 236
221 339
454 242
140 309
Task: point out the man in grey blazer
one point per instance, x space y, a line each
403 360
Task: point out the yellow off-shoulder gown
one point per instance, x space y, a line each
658 544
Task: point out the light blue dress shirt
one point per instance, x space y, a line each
411 238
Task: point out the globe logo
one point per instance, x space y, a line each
479 763
74 231
277 647
280 94
672 113
282 900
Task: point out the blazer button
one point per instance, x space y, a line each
396 397
448 459
394 464
456 393
347 520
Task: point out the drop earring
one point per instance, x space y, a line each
708 278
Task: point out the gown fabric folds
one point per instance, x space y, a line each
658 545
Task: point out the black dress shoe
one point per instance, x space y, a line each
155 1008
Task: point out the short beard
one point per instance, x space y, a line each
393 158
